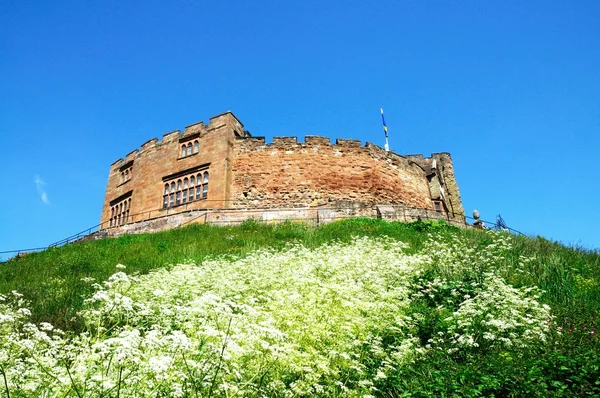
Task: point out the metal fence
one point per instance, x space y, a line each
343 212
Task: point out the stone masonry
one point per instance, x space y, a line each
221 166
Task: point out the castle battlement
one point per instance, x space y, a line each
220 165
291 143
193 130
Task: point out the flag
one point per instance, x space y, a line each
384 126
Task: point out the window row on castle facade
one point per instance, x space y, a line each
126 174
190 148
119 213
187 189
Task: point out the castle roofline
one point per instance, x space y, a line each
227 113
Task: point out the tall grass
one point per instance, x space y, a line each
56 282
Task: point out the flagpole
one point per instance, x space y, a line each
387 146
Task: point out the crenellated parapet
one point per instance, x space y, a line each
316 172
198 129
220 165
341 146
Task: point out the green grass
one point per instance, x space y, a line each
52 280
569 277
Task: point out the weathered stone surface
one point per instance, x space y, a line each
246 172
158 159
320 173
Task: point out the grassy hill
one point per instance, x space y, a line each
356 308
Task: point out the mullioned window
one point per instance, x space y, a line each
119 212
184 189
190 148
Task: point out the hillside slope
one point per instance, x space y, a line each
356 308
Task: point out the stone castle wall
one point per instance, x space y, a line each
315 172
159 159
246 172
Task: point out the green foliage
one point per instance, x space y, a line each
473 313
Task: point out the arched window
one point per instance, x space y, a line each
196 146
189 149
192 183
205 186
186 188
126 175
182 150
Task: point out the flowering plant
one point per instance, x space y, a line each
335 320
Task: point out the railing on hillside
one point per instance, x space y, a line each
97 230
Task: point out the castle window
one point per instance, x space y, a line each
191 192
189 148
120 210
184 187
205 186
126 172
438 205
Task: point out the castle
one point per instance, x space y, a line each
220 168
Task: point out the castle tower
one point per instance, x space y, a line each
221 166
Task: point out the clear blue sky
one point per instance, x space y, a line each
510 88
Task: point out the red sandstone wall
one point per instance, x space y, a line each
455 205
244 171
316 172
157 159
